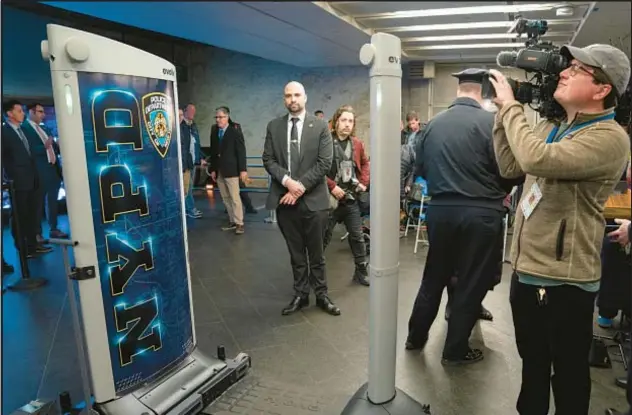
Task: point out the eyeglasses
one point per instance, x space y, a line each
575 68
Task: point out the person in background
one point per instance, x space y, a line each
348 181
196 155
414 130
623 236
185 154
616 285
245 198
572 167
228 167
46 162
19 166
319 114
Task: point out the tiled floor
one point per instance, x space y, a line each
240 285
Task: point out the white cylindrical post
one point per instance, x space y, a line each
384 56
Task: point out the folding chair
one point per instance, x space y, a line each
420 222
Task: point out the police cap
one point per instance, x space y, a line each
472 75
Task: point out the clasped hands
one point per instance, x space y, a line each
295 191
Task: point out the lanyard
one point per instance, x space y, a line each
551 138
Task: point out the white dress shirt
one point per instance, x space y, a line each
50 153
299 129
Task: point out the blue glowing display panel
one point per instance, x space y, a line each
130 126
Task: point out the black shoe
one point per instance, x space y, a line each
621 382
230 227
472 356
410 345
485 314
43 249
361 275
327 305
295 305
7 268
251 211
613 412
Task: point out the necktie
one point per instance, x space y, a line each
24 140
220 134
50 153
294 150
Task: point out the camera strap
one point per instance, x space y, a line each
552 135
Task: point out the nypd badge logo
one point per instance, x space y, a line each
157 110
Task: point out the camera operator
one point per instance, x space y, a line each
348 181
571 170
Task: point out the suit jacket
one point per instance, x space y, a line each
185 147
228 157
18 165
316 156
48 173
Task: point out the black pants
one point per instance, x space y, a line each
462 240
304 231
349 213
614 292
24 210
558 333
245 198
50 193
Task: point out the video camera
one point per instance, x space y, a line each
544 60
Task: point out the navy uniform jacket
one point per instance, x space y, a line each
456 157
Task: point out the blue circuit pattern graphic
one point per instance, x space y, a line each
135 187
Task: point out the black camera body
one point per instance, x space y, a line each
544 61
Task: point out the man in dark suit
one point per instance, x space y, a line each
228 166
46 162
19 166
298 153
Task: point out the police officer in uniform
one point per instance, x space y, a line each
456 157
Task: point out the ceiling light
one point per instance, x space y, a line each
515 8
464 26
468 46
476 36
565 11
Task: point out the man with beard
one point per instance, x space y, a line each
348 181
297 154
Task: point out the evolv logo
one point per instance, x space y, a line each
167 71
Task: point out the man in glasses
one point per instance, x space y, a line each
571 168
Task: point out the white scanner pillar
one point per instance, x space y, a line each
383 55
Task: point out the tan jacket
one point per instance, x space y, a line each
562 238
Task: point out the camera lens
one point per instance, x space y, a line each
507 59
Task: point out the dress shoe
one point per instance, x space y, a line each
56 233
327 305
472 356
411 345
43 249
613 412
485 314
295 305
621 382
7 268
361 275
230 227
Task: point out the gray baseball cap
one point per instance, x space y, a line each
612 61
